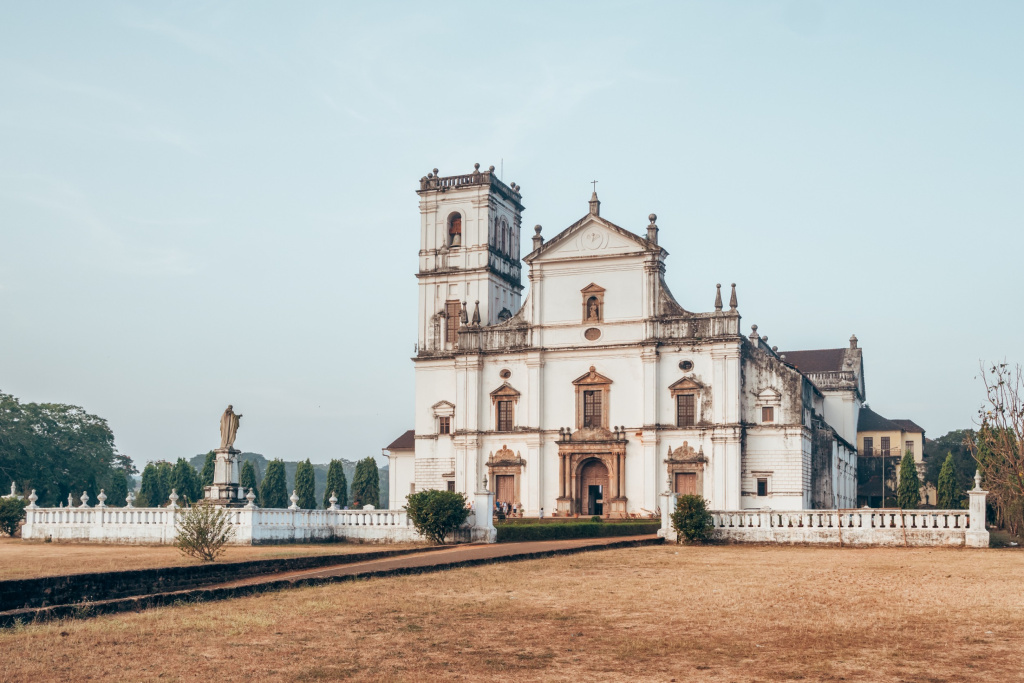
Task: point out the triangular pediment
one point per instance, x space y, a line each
588 237
592 377
505 391
685 384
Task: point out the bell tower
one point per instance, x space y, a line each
469 266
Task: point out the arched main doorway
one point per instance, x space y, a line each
593 487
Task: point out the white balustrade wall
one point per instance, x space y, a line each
251 526
863 526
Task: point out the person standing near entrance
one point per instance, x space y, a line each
542 513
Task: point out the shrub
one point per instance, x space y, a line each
273 488
908 494
436 514
366 483
202 532
305 485
596 519
691 520
12 511
337 484
508 533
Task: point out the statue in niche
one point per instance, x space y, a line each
593 309
229 428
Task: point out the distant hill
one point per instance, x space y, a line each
259 462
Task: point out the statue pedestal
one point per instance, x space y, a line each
225 489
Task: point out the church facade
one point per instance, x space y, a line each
600 391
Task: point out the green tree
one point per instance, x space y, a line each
908 494
164 471
185 480
366 483
274 488
691 519
947 494
57 449
305 485
247 479
209 464
151 491
437 514
117 489
337 484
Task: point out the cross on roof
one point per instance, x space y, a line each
594 183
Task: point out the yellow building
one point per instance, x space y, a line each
881 443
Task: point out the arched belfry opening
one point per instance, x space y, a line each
455 230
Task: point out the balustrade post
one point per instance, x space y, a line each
976 535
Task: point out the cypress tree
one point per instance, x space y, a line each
208 466
247 479
908 495
274 488
118 489
305 485
185 480
366 483
164 470
336 484
149 492
948 496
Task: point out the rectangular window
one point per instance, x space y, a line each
910 447
869 445
767 414
451 311
504 416
686 410
444 425
885 445
592 408
762 486
451 485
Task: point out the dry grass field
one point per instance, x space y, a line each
662 613
22 560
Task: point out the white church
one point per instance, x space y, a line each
600 391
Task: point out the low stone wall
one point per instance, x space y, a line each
860 527
77 588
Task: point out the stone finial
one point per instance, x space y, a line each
32 498
537 239
102 498
14 490
464 315
294 498
174 499
333 501
71 501
595 204
775 349
853 341
129 500
485 482
718 297
753 333
732 298
476 168
652 229
977 480
251 497
764 338
476 313
435 173
85 500
490 169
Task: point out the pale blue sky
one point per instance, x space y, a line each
213 203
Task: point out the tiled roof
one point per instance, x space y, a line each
406 442
819 360
870 421
909 426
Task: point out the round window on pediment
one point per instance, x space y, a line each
686 365
505 374
592 334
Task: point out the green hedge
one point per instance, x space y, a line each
549 532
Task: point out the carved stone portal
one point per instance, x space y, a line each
591 474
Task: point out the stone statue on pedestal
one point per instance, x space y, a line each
229 428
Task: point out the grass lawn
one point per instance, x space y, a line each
661 613
23 560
